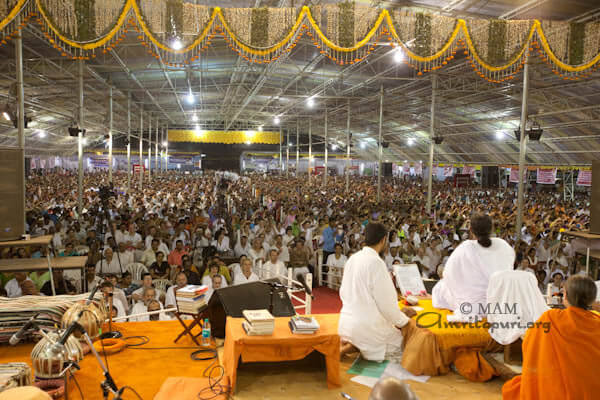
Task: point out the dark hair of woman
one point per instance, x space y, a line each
481 226
581 291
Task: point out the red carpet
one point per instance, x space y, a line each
326 301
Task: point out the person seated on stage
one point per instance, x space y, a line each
14 287
246 275
160 269
390 388
91 279
148 296
468 269
108 289
223 269
109 264
274 267
561 353
61 285
335 262
146 284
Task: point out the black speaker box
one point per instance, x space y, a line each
233 300
489 176
387 169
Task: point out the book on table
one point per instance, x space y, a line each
191 298
258 322
303 325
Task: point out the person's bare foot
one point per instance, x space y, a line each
347 348
502 369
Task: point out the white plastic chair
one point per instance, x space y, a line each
136 270
161 284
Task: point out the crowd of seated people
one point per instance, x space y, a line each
221 229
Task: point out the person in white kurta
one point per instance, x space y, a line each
247 275
469 268
370 318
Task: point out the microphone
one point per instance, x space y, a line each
92 294
70 330
16 338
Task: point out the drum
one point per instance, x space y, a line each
14 375
92 318
47 362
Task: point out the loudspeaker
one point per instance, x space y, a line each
232 300
595 199
12 194
387 169
489 176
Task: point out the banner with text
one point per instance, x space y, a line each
514 175
584 178
546 176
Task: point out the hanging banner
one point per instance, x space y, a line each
448 171
546 176
584 177
514 175
99 162
468 170
33 165
406 168
419 169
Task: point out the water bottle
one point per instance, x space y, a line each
206 333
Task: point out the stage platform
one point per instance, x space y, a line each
146 370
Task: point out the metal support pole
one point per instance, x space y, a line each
431 142
326 152
348 149
310 158
21 111
280 151
167 148
128 142
522 149
149 149
297 148
287 155
110 138
141 138
380 149
156 170
80 144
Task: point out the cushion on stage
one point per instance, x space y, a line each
182 388
24 393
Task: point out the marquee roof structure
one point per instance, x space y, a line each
475 118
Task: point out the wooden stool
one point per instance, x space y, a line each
197 320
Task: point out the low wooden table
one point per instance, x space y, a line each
282 345
42 264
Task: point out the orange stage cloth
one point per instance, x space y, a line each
143 370
458 344
561 364
283 346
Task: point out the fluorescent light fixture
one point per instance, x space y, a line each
310 102
177 44
363 145
276 120
499 135
165 143
398 55
6 116
260 128
334 147
290 144
195 118
84 141
190 98
42 133
411 141
248 143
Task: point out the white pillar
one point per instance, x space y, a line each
326 152
310 161
110 135
141 137
287 155
348 149
167 148
156 170
21 111
522 149
380 148
297 148
149 149
80 144
432 143
128 142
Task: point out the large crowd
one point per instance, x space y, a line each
222 229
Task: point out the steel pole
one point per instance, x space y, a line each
80 144
128 142
522 149
110 127
431 143
380 149
141 138
297 148
310 156
21 113
156 170
348 149
326 152
287 155
150 149
167 149
280 151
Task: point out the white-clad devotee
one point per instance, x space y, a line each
138 294
242 247
370 318
180 282
274 267
109 264
148 303
213 270
246 275
108 289
335 262
13 287
469 268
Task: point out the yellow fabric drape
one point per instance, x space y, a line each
230 137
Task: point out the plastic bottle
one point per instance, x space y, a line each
206 333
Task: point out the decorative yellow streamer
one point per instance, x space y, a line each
555 59
229 137
13 13
92 45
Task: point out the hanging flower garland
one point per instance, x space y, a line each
496 50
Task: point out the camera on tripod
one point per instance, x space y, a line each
106 192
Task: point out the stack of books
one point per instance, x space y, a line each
258 322
191 298
303 325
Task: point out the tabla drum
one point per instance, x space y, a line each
14 375
92 318
48 362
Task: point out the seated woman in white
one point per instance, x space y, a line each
221 242
469 268
335 262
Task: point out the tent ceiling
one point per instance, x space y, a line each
471 113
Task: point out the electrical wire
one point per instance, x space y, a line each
76 383
143 340
131 390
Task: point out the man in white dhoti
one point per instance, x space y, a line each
370 318
469 268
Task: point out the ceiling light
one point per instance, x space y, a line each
411 141
334 147
248 143
310 102
165 143
84 141
398 55
290 144
41 133
190 98
499 135
276 120
260 128
6 115
177 44
362 145
195 118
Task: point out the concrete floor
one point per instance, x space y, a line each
305 380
